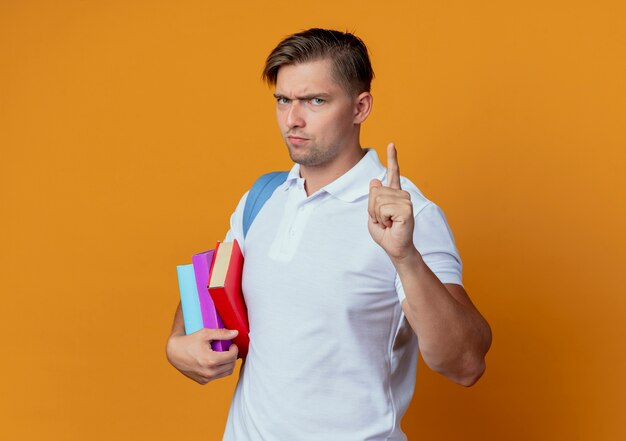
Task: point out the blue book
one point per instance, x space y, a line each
189 298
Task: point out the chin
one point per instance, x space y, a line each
310 156
298 156
303 158
300 159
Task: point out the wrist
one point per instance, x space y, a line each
408 261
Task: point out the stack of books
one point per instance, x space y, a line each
211 295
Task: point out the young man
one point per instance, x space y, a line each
348 265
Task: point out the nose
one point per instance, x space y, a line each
295 115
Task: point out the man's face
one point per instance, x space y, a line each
315 114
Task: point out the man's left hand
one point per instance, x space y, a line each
391 212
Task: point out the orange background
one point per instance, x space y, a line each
129 130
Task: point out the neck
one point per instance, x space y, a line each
319 176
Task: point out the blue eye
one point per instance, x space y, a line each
282 100
317 101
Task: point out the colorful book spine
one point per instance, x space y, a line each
189 298
210 318
228 298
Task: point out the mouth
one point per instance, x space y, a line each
296 139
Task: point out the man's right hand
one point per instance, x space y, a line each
192 354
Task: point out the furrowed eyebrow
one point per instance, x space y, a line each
323 96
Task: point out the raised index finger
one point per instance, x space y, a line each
393 169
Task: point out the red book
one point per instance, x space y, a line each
225 290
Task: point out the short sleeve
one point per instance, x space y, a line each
434 240
236 225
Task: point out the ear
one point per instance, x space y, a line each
362 107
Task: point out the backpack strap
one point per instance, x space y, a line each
260 192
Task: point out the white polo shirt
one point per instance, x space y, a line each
331 355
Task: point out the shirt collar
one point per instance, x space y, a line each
354 183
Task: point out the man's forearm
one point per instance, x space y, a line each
178 326
452 335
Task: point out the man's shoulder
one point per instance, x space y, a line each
417 197
261 191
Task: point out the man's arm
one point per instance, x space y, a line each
192 354
453 337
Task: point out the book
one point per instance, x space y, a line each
225 290
210 318
189 298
